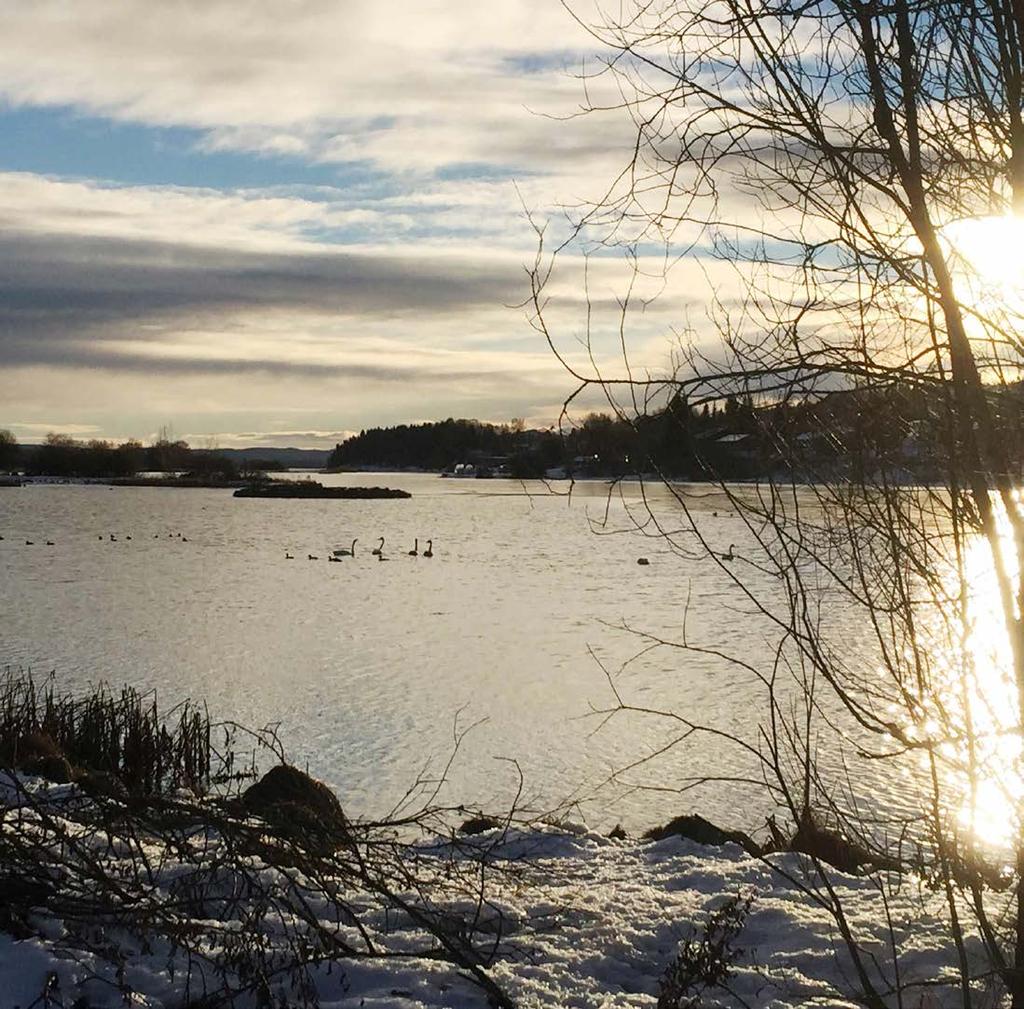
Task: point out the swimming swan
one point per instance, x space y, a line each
415 552
379 551
351 552
429 552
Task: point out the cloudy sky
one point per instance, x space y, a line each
279 222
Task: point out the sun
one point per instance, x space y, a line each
990 255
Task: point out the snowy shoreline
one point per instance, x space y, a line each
570 918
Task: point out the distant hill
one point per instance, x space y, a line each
292 458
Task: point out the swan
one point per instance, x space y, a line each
730 556
415 552
379 551
351 552
429 552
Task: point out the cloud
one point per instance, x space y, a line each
283 439
39 430
334 81
382 298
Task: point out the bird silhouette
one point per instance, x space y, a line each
429 552
378 551
415 552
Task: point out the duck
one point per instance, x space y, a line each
379 550
415 552
643 561
351 552
288 556
30 543
310 557
381 557
335 559
49 543
429 552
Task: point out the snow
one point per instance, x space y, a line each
579 920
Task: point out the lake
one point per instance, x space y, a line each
370 668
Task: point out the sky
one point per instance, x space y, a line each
279 223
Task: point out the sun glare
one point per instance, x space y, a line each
980 691
990 250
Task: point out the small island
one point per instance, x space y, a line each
312 489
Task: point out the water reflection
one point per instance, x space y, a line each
973 716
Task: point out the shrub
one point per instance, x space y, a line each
121 734
705 960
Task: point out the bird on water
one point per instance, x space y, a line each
429 552
415 552
378 551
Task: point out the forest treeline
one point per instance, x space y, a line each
62 456
897 426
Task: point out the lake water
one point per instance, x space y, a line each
367 667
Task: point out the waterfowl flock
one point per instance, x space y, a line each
340 553
335 556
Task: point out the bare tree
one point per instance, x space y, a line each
844 160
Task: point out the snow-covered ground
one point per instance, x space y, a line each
584 921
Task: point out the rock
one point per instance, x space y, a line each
38 744
290 798
102 784
696 828
811 838
54 768
479 824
